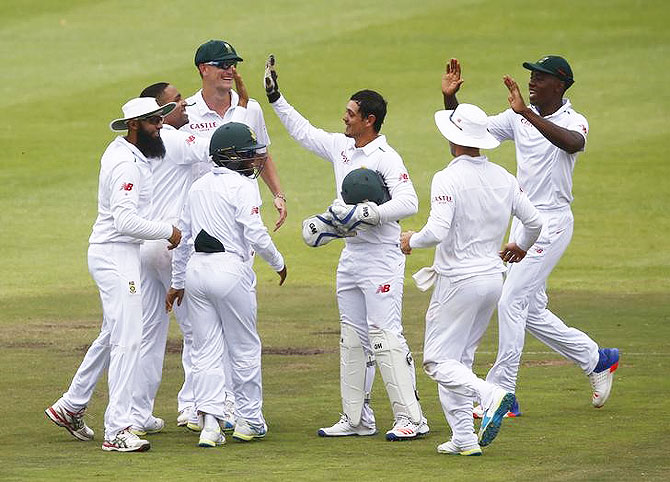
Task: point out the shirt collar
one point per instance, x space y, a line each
203 108
566 105
370 147
466 158
132 148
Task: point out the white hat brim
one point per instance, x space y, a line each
122 124
449 130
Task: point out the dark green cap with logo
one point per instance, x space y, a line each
215 51
553 65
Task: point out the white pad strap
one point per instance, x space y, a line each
396 366
353 368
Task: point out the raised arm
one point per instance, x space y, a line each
451 83
569 141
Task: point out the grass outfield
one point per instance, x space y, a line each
68 66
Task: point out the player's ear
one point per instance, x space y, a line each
133 125
370 120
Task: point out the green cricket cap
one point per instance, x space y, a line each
553 65
215 51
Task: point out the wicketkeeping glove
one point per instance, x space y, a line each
270 80
319 229
352 217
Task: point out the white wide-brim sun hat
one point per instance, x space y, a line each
466 126
140 107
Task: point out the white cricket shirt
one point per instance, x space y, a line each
544 171
203 121
124 198
472 200
345 157
224 203
173 175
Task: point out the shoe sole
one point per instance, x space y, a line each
323 433
246 438
208 444
465 453
55 418
142 448
391 437
611 369
193 427
491 430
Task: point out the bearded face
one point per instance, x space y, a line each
149 141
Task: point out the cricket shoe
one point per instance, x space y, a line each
72 421
602 377
196 422
211 437
126 441
450 448
246 431
155 425
405 429
515 411
493 416
228 421
343 428
185 415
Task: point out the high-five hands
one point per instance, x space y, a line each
270 80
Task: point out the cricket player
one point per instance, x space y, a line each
472 200
548 135
124 204
222 218
216 104
186 156
371 268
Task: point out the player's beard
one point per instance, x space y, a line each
150 146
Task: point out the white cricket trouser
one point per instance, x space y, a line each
457 318
156 276
523 305
369 296
221 292
115 268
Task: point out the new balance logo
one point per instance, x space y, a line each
126 186
255 210
384 288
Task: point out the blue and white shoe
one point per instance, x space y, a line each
246 431
493 417
603 375
515 411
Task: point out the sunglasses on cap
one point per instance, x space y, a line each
153 119
223 64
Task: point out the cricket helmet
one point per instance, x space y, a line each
234 146
364 184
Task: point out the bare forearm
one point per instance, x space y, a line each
271 177
450 101
569 141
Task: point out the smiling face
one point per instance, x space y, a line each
544 89
219 77
178 117
355 125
